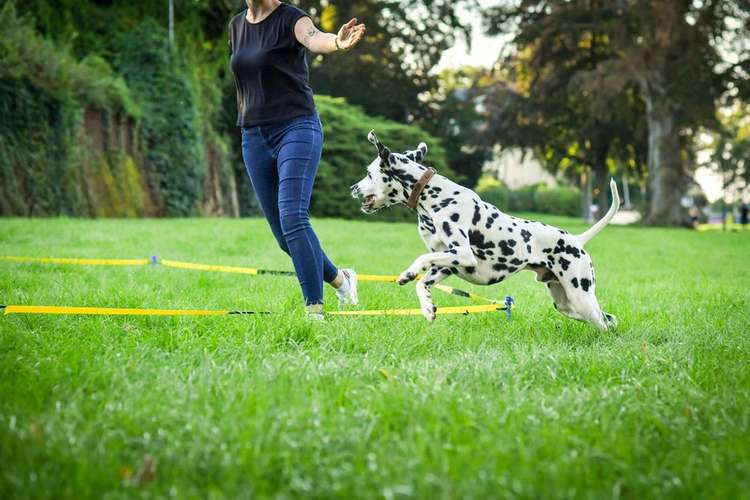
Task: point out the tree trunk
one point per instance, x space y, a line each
602 178
665 170
586 195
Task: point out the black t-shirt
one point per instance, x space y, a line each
270 68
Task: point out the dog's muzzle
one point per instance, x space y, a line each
368 201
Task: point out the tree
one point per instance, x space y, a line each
554 95
452 112
388 72
731 156
672 50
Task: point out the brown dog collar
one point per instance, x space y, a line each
419 187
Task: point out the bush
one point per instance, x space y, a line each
558 200
533 198
170 127
46 163
346 154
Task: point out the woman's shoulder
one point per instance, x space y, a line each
292 11
237 18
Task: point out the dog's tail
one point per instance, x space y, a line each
594 230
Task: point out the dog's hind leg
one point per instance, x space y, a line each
433 276
560 300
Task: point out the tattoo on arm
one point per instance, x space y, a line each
312 32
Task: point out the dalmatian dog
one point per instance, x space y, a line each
472 239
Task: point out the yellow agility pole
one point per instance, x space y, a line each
418 312
112 311
77 262
463 293
207 267
251 271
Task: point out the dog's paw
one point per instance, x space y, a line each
611 321
406 277
429 311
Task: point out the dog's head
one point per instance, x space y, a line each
390 176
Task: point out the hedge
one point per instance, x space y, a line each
533 198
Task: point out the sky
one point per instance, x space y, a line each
484 49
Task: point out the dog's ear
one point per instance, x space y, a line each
418 154
383 152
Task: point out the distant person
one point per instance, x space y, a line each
694 214
282 136
744 215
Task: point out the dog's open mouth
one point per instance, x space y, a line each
368 203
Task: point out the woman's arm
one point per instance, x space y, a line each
324 43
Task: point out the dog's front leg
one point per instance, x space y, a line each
433 276
458 254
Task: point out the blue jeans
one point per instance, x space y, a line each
282 160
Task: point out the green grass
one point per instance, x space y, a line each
470 406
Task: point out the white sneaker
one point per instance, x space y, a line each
347 292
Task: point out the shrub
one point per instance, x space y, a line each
170 127
534 198
47 165
558 200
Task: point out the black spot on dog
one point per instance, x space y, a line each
516 262
446 271
446 202
456 192
568 249
476 238
506 246
528 248
477 216
447 228
455 217
499 267
492 281
461 232
491 220
574 281
455 262
547 250
525 235
585 284
564 263
470 269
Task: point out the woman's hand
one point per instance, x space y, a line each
350 34
324 43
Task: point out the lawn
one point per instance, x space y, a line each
469 406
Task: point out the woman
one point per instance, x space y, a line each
282 137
